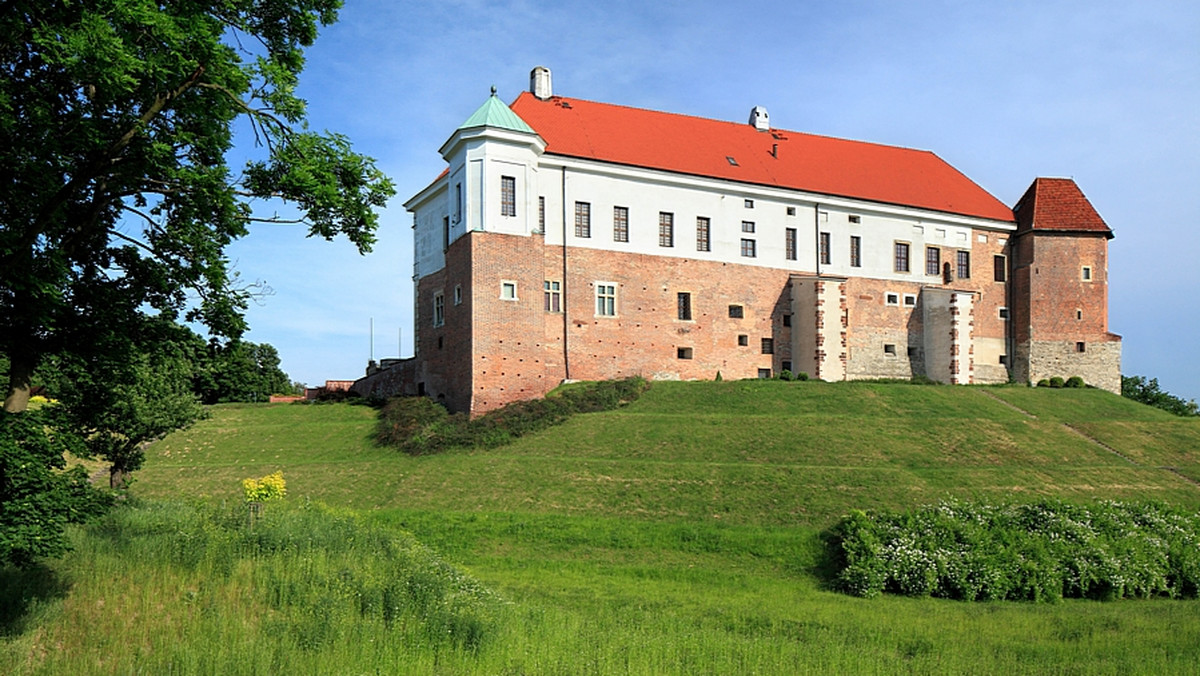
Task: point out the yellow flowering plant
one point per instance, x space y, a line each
269 487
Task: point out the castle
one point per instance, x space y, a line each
575 240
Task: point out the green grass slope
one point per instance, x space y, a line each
677 535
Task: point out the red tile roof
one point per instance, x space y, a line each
1057 204
739 152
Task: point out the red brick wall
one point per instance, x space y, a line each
1046 271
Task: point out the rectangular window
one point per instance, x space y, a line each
933 260
508 290
553 294
743 340
964 264
683 306
1003 312
439 310
910 300
1081 347
749 204
748 248
606 299
789 244
703 243
445 233
1086 273
458 294
458 202
892 299
683 352
620 224
889 349
764 374
855 251
508 196
768 346
1000 268
824 241
583 219
541 213
791 211
787 320
901 263
666 228
736 312
747 226
854 219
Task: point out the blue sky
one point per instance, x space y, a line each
1107 93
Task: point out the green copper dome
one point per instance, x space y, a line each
493 113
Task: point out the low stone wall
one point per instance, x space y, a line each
399 378
1099 364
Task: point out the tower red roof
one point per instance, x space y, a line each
1057 204
739 152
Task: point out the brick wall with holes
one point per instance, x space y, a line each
444 370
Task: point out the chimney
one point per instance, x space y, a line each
758 118
539 83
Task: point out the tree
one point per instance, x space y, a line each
115 195
1148 392
240 371
117 202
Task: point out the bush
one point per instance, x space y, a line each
802 376
1056 382
786 375
1075 382
1034 552
1043 383
418 426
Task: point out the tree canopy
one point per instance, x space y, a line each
117 202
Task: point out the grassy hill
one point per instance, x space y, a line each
680 534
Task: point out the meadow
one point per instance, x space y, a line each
682 534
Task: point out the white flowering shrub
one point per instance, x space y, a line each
1037 552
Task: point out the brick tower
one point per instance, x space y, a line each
1059 288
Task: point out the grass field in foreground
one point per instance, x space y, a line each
680 534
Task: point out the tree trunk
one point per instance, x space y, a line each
20 375
118 478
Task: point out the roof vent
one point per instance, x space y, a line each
760 119
539 83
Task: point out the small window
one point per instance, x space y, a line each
732 162
764 374
789 244
583 219
735 312
748 248
445 233
892 299
620 224
439 310
791 211
458 294
666 229
508 290
910 300
768 346
439 342
541 213
703 229
855 251
823 216
606 299
683 352
1000 268
1081 347
911 351
1003 313
683 306
824 240
963 259
458 202
749 204
508 196
743 340
552 291
1086 273
1078 314
787 365
1004 359
787 320
747 226
933 260
889 349
901 263
854 218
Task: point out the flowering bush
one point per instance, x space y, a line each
1038 552
269 487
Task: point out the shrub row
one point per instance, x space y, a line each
419 426
1074 382
1037 552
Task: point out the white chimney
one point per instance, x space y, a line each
760 119
539 83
